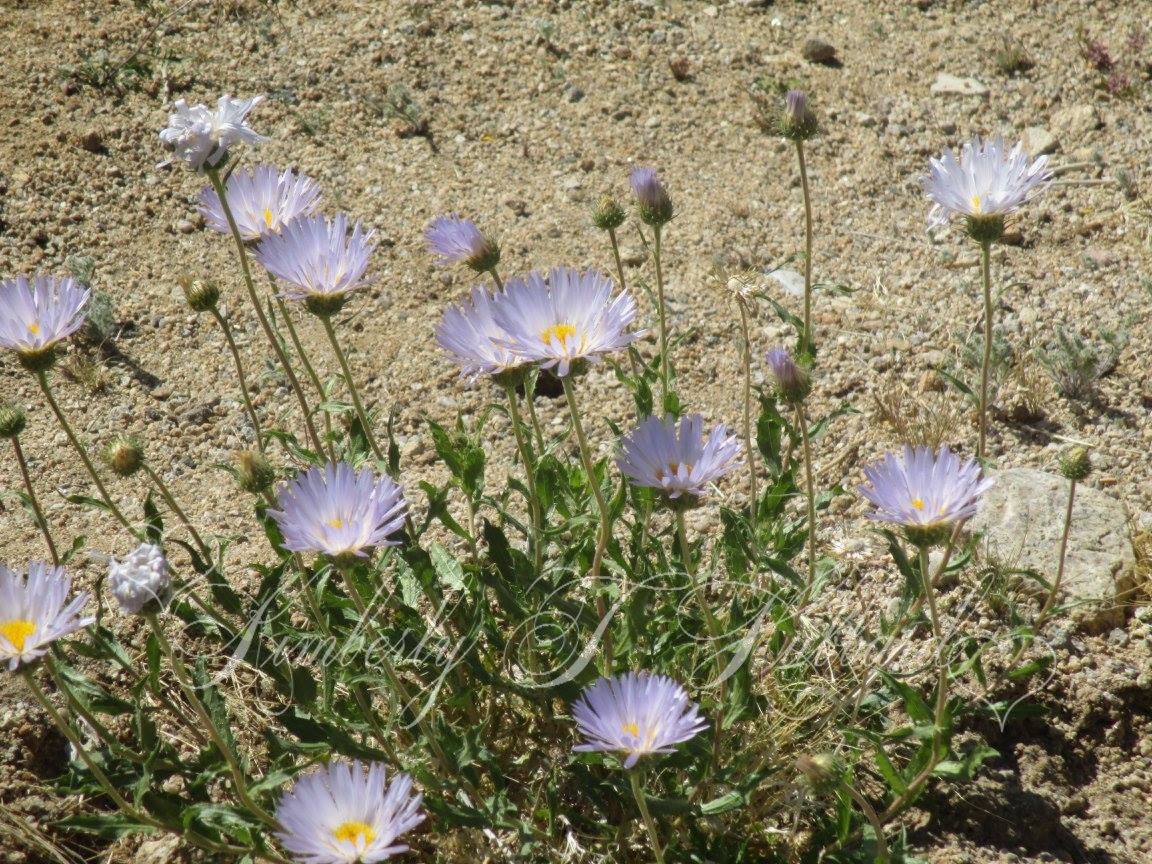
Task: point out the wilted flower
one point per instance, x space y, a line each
569 318
636 714
791 379
35 611
37 313
673 456
651 196
798 122
201 136
927 494
343 814
319 260
338 512
469 333
124 456
141 579
983 185
261 200
459 241
254 472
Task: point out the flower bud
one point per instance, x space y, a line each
202 294
141 581
254 472
791 379
1075 464
823 772
798 122
12 421
608 215
124 456
651 197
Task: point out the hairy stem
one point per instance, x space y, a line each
170 500
810 495
746 362
41 522
1055 590
350 381
649 822
986 362
309 369
657 233
806 336
530 479
253 419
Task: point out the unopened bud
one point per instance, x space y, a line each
1075 464
798 122
823 772
202 294
12 421
124 456
254 472
608 215
652 198
791 379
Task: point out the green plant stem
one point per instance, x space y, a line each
170 500
649 822
41 522
810 495
348 379
623 286
496 279
239 781
530 480
701 598
530 401
806 336
986 362
873 820
309 369
657 235
274 340
602 507
42 377
235 351
746 362
78 707
941 658
1055 590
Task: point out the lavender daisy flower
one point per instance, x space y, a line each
319 259
35 612
202 136
469 333
262 201
338 512
651 196
636 714
570 318
348 814
792 382
983 185
459 241
141 580
672 456
927 494
38 312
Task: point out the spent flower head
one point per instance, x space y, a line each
141 580
202 136
789 377
926 494
254 472
124 456
565 321
652 200
348 813
37 313
635 715
319 259
35 611
458 241
673 456
983 185
339 512
262 201
470 334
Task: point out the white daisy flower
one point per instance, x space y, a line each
35 612
202 136
261 200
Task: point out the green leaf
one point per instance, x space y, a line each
447 568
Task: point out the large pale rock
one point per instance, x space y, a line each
1075 122
952 85
1022 518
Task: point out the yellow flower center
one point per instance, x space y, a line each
632 729
673 470
336 522
17 631
354 832
976 205
268 216
560 332
34 329
918 503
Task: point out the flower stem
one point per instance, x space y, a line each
746 362
701 598
649 822
806 336
170 500
42 377
602 507
810 494
941 659
496 279
309 369
360 412
877 826
227 330
657 233
986 363
41 522
273 339
530 479
1055 590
